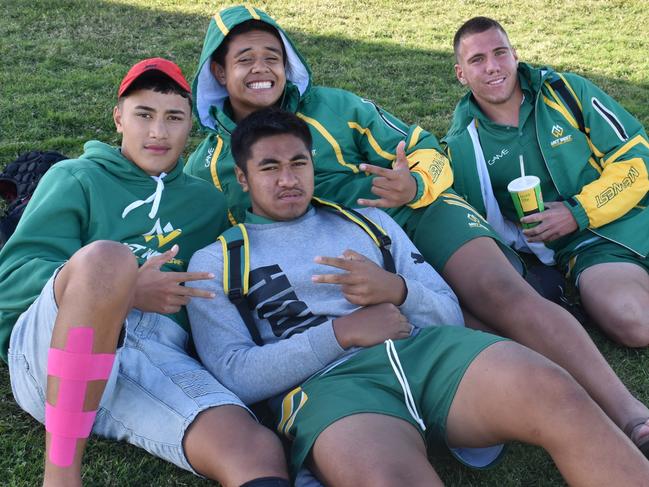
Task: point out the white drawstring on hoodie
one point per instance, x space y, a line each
155 198
403 380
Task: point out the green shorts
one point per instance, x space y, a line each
441 228
583 253
434 363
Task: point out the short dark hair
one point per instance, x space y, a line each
476 25
158 82
266 122
219 54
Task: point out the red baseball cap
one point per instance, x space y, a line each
154 64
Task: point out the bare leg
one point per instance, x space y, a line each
94 289
226 444
472 322
491 289
616 296
372 450
512 393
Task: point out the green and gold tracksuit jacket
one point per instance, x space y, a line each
347 130
600 173
102 195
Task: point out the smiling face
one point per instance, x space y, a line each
253 72
154 128
487 64
279 177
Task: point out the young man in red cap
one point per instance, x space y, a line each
92 308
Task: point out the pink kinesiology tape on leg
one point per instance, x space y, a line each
74 367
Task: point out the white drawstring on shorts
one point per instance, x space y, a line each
403 380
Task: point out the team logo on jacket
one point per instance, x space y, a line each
559 138
155 239
497 157
208 157
164 235
474 221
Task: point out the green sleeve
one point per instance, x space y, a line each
49 232
621 149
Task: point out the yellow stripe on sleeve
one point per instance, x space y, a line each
638 139
375 145
329 138
415 137
594 149
435 171
593 163
214 163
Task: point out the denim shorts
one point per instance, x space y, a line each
155 390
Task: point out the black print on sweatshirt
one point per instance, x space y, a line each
417 258
272 297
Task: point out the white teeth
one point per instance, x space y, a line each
496 81
260 85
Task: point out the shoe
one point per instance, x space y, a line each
642 442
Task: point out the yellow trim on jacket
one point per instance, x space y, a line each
214 163
435 171
219 22
329 138
375 145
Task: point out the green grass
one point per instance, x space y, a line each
63 59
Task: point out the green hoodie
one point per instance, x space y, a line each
602 178
347 130
103 196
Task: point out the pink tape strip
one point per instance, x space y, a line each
79 366
74 366
68 424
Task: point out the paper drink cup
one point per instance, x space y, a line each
526 194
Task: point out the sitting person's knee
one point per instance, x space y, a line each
505 290
227 444
107 257
631 327
102 272
551 380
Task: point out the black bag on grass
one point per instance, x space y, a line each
17 184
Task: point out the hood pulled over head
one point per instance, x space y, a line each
207 90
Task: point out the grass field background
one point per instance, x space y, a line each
63 59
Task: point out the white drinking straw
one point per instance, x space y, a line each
520 158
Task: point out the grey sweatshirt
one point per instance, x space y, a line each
293 314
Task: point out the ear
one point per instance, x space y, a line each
117 118
241 178
219 72
515 54
459 74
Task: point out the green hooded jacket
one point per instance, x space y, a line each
347 130
601 175
103 196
